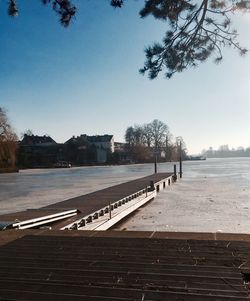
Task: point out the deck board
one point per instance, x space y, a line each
39 267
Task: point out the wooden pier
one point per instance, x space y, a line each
77 212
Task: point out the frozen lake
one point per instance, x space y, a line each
214 195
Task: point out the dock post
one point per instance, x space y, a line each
109 210
180 160
152 186
155 163
175 174
180 167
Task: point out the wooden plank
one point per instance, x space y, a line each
114 292
70 277
128 268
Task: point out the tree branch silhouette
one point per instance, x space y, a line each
196 30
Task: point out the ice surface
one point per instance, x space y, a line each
213 196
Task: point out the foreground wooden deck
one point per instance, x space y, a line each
79 265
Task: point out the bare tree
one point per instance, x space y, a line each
153 134
8 142
135 139
139 135
168 147
149 140
147 134
181 148
130 136
159 132
135 135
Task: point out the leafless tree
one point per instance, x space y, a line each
147 134
8 142
159 133
130 136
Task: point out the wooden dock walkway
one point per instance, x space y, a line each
82 209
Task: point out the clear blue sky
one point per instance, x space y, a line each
84 79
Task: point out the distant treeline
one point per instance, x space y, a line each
144 142
224 152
